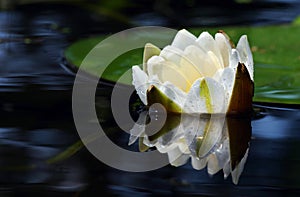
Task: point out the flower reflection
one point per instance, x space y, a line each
215 141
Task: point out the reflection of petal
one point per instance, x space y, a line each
193 126
199 164
236 173
138 129
213 165
239 130
227 169
142 146
165 135
223 154
211 136
177 158
215 141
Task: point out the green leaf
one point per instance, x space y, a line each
296 21
79 50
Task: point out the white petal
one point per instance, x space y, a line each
234 59
149 51
245 54
183 63
224 48
172 53
213 102
140 80
227 79
207 42
215 59
153 61
218 74
168 71
204 62
170 90
183 39
174 93
193 103
217 95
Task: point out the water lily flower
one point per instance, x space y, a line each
197 75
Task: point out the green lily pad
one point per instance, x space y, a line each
275 50
76 53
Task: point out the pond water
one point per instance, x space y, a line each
40 149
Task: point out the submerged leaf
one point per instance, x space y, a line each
172 121
142 146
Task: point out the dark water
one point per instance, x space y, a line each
37 125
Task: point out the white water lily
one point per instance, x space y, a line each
197 75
